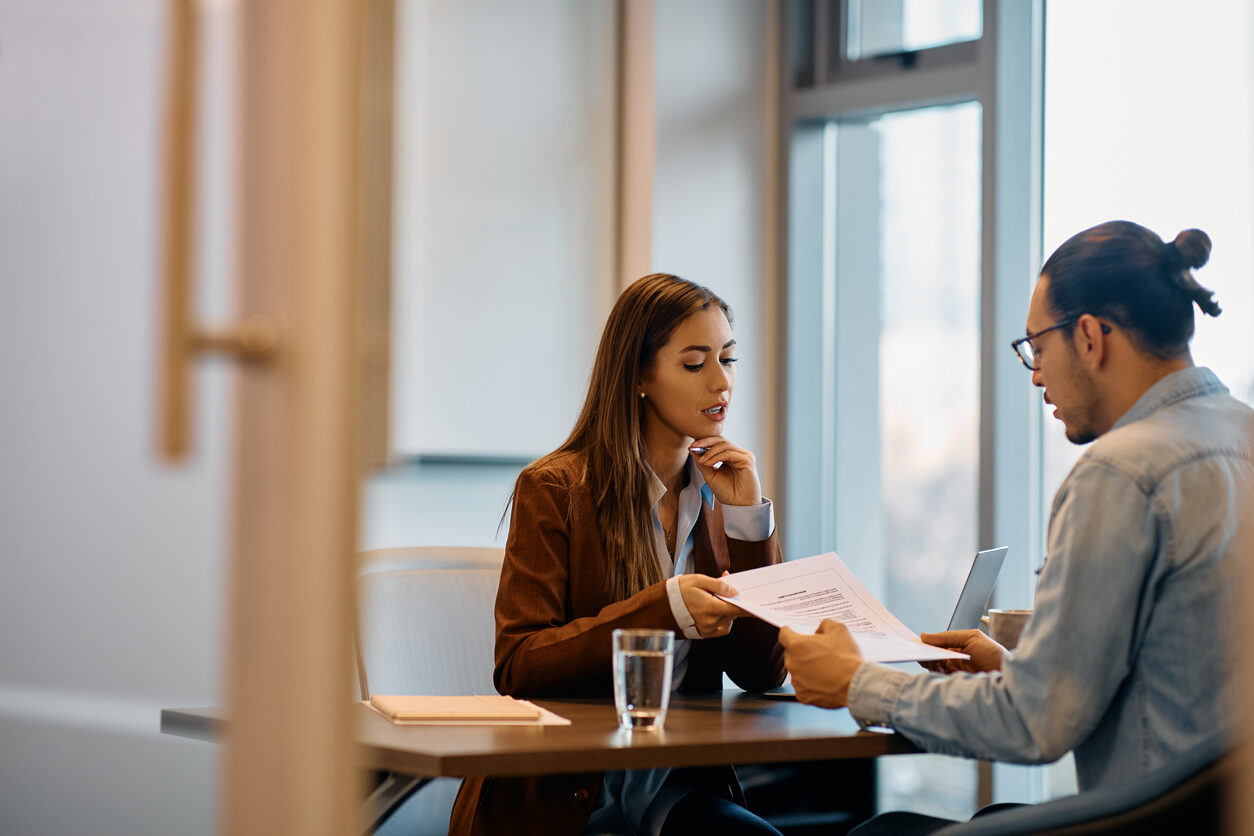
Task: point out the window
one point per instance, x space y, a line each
884 27
907 341
1165 143
910 435
1136 111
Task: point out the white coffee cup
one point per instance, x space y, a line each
1005 626
643 661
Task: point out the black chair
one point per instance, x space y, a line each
1183 797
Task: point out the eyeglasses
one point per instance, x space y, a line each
1026 349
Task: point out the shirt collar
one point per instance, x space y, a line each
1192 382
657 490
699 479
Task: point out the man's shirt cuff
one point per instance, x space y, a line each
680 610
873 694
749 522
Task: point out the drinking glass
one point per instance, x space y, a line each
643 660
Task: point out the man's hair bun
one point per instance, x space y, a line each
1190 250
1124 272
1194 248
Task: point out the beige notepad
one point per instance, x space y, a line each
468 709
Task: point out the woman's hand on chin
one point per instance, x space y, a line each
730 471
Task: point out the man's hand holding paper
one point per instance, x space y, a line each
822 665
985 654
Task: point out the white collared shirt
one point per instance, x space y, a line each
740 522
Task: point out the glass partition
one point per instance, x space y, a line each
907 378
886 27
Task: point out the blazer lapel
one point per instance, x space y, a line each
709 548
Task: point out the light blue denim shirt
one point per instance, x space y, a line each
1126 660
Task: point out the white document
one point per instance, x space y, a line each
801 593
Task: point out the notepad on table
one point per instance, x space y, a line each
482 708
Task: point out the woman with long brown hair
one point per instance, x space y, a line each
630 523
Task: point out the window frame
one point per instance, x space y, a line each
1003 72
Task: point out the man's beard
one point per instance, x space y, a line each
1080 430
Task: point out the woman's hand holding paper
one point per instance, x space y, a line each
712 615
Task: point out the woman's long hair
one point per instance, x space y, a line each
608 430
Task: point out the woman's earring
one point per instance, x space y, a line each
642 395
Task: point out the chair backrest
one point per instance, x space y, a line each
1185 796
426 623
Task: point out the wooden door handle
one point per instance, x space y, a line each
254 338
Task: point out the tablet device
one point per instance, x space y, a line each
978 589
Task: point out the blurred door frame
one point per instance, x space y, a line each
314 241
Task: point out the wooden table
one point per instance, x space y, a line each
732 727
700 731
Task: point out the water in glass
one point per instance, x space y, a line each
643 662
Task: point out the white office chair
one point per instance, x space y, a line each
426 627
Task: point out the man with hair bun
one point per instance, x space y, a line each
1128 657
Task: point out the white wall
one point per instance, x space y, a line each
709 225
709 194
504 221
110 563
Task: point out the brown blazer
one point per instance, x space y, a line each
554 619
